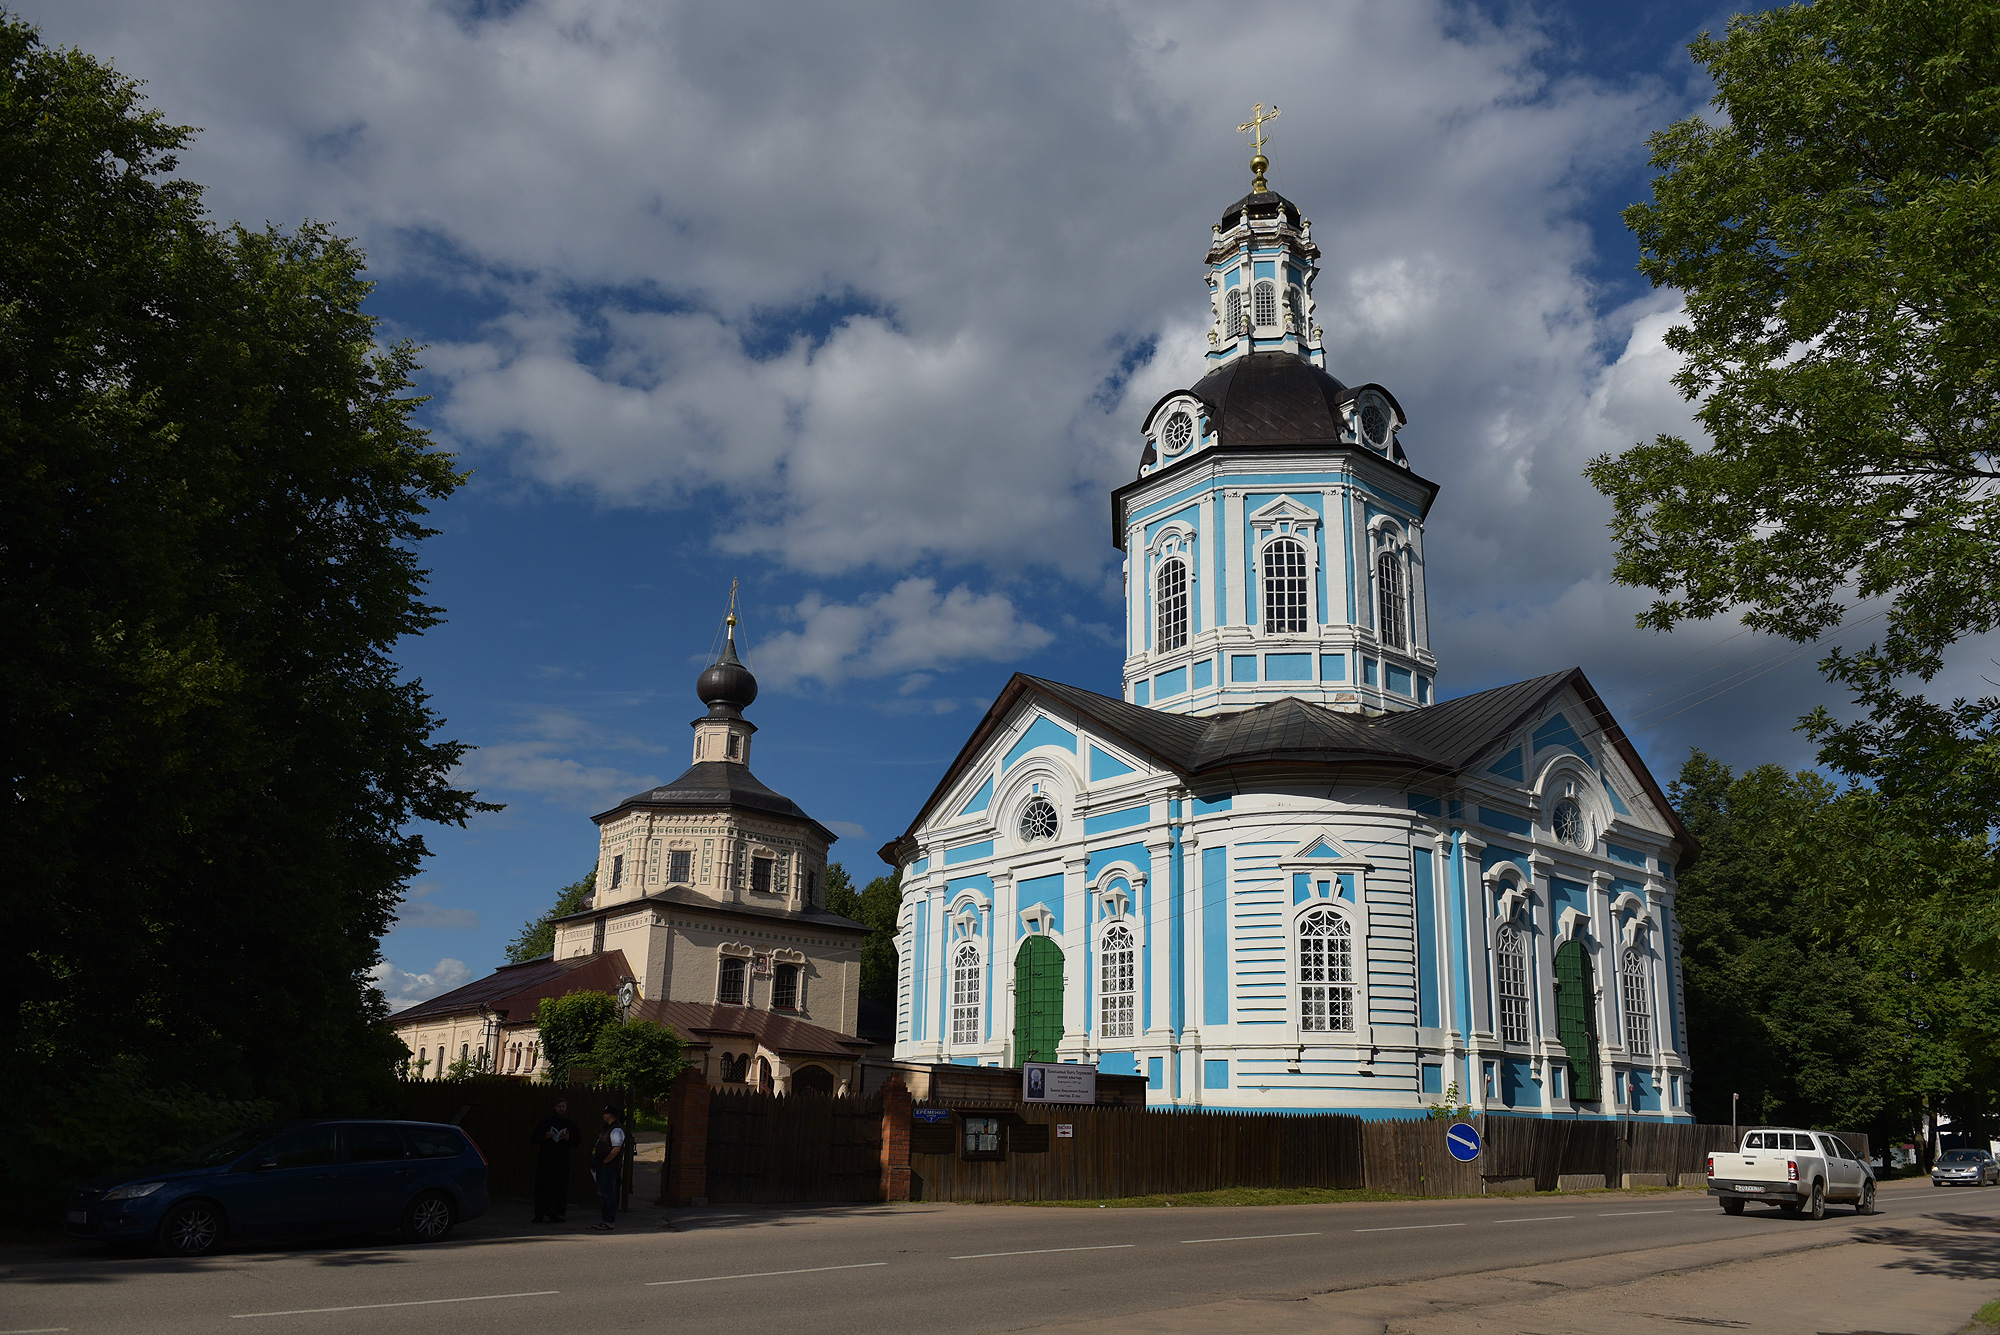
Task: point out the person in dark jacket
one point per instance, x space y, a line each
607 1160
554 1137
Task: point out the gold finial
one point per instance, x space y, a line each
1254 127
730 620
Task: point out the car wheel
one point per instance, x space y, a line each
429 1218
1732 1207
1816 1206
192 1228
1866 1205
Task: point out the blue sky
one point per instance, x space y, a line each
862 305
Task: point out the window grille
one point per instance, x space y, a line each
680 865
1512 971
1173 607
965 987
760 875
785 988
1232 313
735 972
1119 980
1389 596
1267 303
1638 1016
1326 973
1285 587
1038 821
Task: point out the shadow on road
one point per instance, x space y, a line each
1958 1246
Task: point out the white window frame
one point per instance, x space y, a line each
1260 290
1284 519
1118 1009
1635 1001
1513 997
967 993
1356 1002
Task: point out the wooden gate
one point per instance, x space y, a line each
778 1148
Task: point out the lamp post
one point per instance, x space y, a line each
1734 1139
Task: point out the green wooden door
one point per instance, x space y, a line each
1038 1000
1576 1019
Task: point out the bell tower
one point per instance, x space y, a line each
1274 536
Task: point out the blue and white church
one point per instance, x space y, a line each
1277 872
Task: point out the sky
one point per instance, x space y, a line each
861 304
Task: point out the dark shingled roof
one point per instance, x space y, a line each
1273 398
702 1023
1260 204
513 989
720 783
1216 751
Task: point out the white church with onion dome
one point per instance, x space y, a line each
1275 872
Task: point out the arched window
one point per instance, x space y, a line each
1120 981
1511 969
730 987
965 988
1038 820
1389 597
1326 973
1285 587
1295 301
1638 1016
1232 313
1267 303
1172 607
785 987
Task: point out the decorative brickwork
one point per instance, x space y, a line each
685 1179
895 1140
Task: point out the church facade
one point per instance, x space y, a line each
1275 872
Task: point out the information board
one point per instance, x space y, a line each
1058 1082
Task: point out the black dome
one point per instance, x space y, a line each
1259 204
1274 398
726 686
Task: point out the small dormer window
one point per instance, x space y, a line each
1178 433
1567 822
1374 425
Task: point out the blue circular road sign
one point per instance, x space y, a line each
1463 1142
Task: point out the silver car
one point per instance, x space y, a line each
1965 1168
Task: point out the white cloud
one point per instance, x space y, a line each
543 763
847 829
403 989
910 627
418 911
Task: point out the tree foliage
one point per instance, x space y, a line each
569 1027
640 1056
1831 233
213 493
538 937
1812 1014
874 905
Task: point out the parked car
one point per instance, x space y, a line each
1797 1171
1965 1168
302 1179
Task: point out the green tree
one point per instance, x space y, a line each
212 487
640 1056
1831 233
569 1027
538 937
875 906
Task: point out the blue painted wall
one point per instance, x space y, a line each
1215 935
1043 732
1422 867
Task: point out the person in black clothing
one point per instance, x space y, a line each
553 1138
606 1165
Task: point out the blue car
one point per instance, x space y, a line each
303 1179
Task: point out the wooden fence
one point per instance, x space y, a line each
769 1148
499 1114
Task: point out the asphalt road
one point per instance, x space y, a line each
935 1269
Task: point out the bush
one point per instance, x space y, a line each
640 1056
569 1026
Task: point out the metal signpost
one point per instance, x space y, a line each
1058 1082
1463 1141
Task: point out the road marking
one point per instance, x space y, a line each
1038 1251
765 1274
1404 1228
38 1330
1533 1218
421 1302
1251 1237
1627 1214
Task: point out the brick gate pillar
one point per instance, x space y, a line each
684 1176
895 1140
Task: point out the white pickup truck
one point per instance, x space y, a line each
1797 1171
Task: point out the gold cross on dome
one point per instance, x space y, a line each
1254 127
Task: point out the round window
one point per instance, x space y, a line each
1038 821
1374 424
1177 433
1567 820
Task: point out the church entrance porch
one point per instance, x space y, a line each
1038 1000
